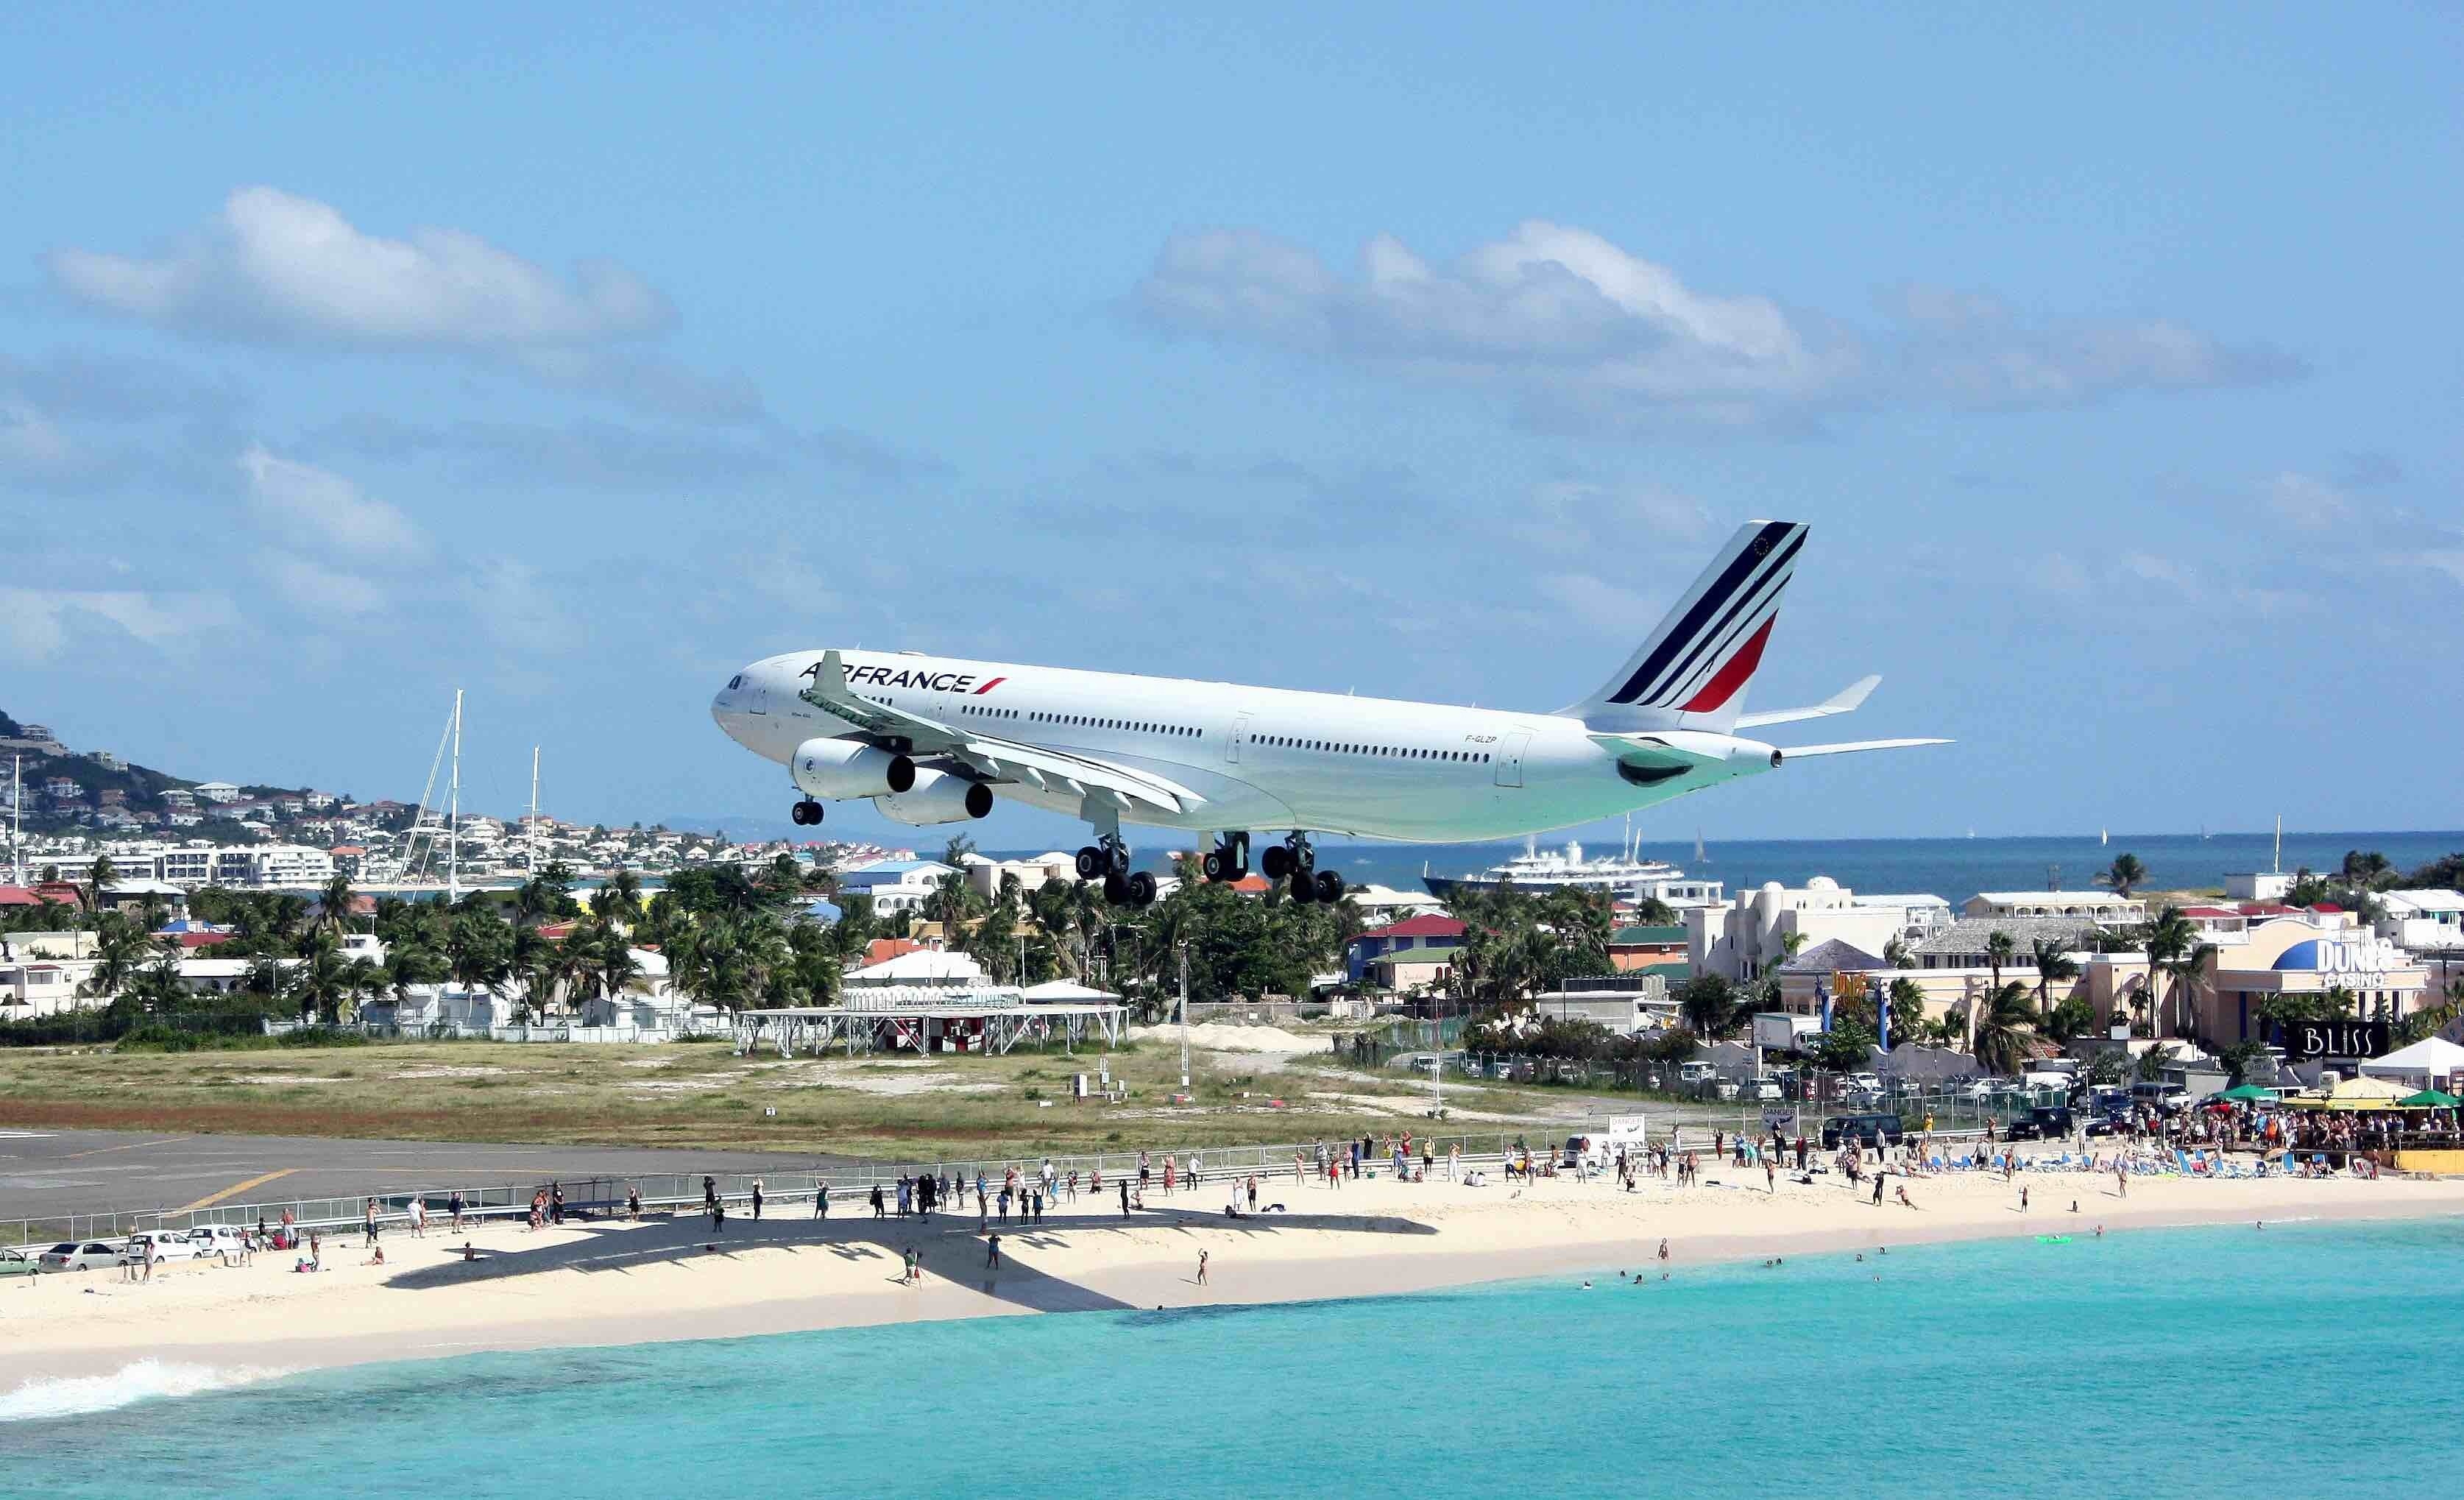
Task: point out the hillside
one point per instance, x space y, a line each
110 795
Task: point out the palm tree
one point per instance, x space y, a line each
1907 1009
2124 875
98 882
2002 1031
120 950
2052 963
334 905
620 899
2171 941
1896 953
2366 869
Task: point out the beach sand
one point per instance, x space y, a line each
603 1284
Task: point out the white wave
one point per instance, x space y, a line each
147 1379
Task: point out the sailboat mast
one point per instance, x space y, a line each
534 784
453 811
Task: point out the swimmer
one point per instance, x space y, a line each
1587 1285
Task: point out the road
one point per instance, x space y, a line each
46 1174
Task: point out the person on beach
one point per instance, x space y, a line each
1202 1267
2122 1176
456 1204
1145 1168
719 1216
1877 1189
1771 1174
369 1219
2023 1197
316 1250
879 1209
992 1250
1664 1251
634 1203
708 1192
756 1200
1904 1200
419 1218
1166 1171
1125 1198
555 1202
1253 1193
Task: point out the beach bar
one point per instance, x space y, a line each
929 1019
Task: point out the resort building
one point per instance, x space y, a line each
1744 940
2101 907
2422 920
1416 953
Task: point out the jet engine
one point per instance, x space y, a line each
937 797
842 769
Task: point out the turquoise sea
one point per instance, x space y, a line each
2291 1361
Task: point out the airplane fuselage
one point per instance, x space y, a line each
1255 757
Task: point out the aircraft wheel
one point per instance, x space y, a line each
1303 888
1090 863
1116 891
1212 863
806 813
1141 889
1330 887
1276 862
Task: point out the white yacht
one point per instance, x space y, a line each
1623 876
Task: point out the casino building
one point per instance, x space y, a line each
2277 956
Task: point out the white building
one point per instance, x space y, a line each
2101 907
985 876
2422 919
217 791
2258 885
1749 936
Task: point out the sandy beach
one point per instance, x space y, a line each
603 1284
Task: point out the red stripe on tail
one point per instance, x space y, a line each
1725 682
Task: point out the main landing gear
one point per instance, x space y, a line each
1228 859
806 813
1293 857
1108 859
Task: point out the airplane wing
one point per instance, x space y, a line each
991 757
1851 747
1844 701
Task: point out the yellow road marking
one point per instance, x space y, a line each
129 1146
237 1188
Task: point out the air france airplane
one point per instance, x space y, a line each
932 739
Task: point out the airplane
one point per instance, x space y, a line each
932 739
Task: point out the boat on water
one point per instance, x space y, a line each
1623 876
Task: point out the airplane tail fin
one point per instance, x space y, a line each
1691 674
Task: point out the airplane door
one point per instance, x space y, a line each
1509 758
1233 741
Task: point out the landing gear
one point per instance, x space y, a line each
1294 857
1228 859
806 813
1108 858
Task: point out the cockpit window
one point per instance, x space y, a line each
736 681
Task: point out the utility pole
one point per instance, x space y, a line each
453 812
17 820
1184 1013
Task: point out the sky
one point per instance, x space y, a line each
576 357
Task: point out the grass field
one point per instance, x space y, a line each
702 1096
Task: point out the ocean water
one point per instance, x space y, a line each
2291 1361
1953 868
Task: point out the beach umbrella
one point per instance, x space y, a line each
2427 1099
2247 1093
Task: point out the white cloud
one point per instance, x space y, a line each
1604 606
1586 334
319 589
32 446
273 264
1577 515
317 506
38 624
2304 501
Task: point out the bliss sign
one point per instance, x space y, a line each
2308 1040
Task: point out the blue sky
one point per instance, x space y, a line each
577 357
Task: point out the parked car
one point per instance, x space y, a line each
1695 1073
213 1240
2109 1125
81 1255
1869 1130
17 1263
2044 1122
161 1244
1766 1088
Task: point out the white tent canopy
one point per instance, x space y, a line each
1052 991
2430 1057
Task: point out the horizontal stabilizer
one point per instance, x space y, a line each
1844 702
1851 747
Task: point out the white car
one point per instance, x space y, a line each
163 1244
215 1240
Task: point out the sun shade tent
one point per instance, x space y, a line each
2248 1093
2357 1094
2431 1058
2427 1099
1053 990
